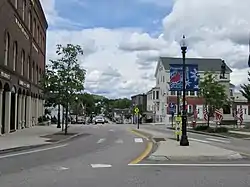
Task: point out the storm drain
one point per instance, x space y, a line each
159 139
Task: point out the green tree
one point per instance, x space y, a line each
213 93
69 75
245 89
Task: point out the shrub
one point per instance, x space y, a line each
42 119
221 129
201 128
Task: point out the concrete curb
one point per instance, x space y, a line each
28 147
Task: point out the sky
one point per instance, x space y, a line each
122 39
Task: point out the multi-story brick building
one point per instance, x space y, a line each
22 63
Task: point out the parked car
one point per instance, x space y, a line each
99 119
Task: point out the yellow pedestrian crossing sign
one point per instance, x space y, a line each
136 110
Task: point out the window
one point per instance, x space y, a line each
231 92
245 111
157 94
32 71
226 109
22 62
28 68
37 34
36 75
29 20
34 28
23 9
163 79
172 93
153 94
14 55
248 109
6 49
191 92
41 41
16 3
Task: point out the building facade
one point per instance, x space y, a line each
22 63
140 101
165 96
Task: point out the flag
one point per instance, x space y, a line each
218 115
205 113
240 112
195 114
235 115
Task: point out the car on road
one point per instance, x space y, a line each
99 119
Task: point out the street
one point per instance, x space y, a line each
101 158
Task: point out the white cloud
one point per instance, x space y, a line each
121 62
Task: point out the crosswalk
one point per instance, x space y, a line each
211 140
121 141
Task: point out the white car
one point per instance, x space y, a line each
99 119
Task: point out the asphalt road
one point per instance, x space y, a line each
239 145
101 159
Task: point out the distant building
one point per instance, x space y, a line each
140 101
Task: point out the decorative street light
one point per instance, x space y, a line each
184 139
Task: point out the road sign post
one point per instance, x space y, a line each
178 127
136 110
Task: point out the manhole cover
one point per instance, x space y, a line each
159 139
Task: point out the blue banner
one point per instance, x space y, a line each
192 77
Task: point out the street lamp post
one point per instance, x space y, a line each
184 139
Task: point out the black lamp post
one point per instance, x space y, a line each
184 138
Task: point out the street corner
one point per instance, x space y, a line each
149 148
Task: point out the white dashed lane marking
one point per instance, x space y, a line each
119 141
101 165
101 140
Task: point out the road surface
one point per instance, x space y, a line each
101 158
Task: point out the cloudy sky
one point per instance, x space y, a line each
123 38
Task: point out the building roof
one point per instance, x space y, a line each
204 64
133 96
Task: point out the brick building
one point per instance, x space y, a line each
22 63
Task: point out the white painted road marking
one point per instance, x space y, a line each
62 168
101 165
197 140
119 141
33 151
111 130
194 165
101 140
138 140
217 140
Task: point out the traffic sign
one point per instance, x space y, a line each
136 110
171 107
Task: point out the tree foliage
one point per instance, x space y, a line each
245 89
63 77
212 91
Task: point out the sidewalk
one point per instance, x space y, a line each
171 150
35 137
